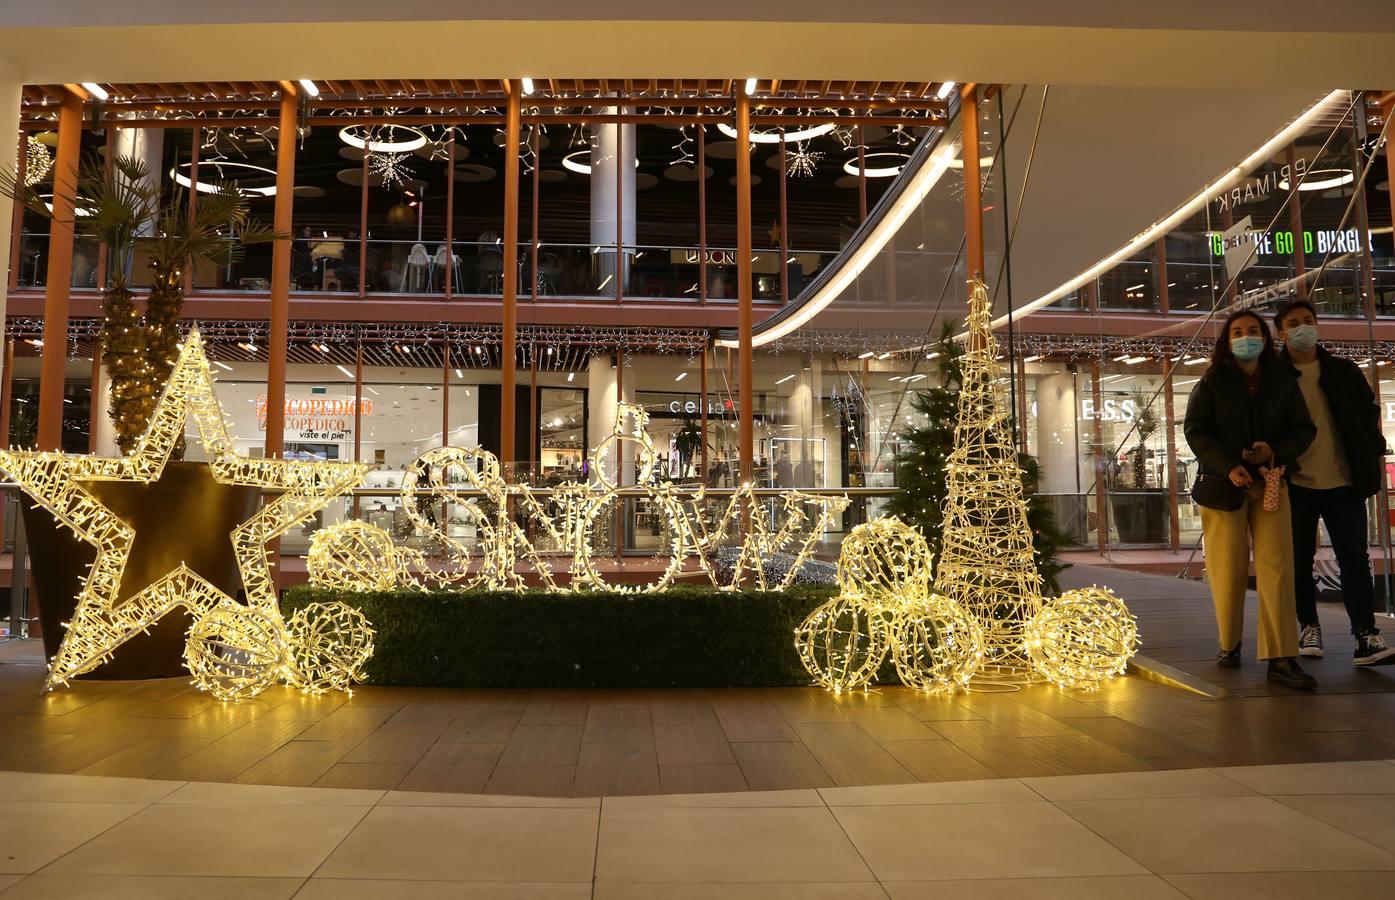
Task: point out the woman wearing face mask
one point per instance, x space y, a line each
1246 416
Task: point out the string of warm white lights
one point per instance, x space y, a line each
104 620
987 563
885 606
1082 638
357 556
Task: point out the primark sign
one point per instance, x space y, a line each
1260 186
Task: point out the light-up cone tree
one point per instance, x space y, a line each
986 562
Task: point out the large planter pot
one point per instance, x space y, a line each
1140 516
185 517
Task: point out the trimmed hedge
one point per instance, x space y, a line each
685 637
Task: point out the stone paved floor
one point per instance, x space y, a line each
1273 831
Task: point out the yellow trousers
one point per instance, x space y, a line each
1226 537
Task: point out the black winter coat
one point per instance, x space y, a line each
1224 418
1357 418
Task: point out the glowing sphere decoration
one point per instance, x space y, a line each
842 643
1081 638
330 642
235 652
353 556
886 563
936 647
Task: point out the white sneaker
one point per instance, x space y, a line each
1310 641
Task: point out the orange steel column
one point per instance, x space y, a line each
445 381
1295 221
1101 496
17 217
508 355
278 337
358 405
1170 421
973 199
59 279
746 396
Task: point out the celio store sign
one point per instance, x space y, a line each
316 418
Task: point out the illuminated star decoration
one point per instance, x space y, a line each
101 621
803 162
390 167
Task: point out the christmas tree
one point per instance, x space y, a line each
987 563
925 446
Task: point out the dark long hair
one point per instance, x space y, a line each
1221 356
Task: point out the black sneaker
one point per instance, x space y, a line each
1229 659
1372 650
1310 641
1286 671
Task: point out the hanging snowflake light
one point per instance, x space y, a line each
37 162
390 167
803 162
684 148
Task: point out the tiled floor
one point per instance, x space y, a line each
1274 831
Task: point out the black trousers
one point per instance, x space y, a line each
1344 514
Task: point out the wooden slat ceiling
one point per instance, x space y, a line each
486 89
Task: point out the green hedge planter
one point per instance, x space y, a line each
687 637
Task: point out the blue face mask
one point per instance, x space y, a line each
1302 337
1247 348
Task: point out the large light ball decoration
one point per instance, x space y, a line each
330 642
235 652
886 563
936 646
37 161
353 556
1081 638
842 643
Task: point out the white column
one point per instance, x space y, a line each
1058 445
612 172
102 425
147 145
600 401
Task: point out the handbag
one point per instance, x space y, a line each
1217 492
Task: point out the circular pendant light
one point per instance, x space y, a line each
773 137
890 164
383 138
577 161
1321 179
203 187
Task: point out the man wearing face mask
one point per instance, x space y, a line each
1339 470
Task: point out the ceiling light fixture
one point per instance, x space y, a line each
944 90
527 87
95 90
773 137
751 86
310 87
366 140
681 376
1325 178
851 166
204 187
786 378
573 162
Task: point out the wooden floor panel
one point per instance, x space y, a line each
611 742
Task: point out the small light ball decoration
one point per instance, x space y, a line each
37 161
886 563
353 556
330 642
937 647
235 652
842 643
1081 638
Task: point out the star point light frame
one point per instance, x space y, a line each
102 621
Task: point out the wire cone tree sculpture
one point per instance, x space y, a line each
987 563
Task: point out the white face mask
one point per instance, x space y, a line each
1302 337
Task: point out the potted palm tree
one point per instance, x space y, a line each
185 515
